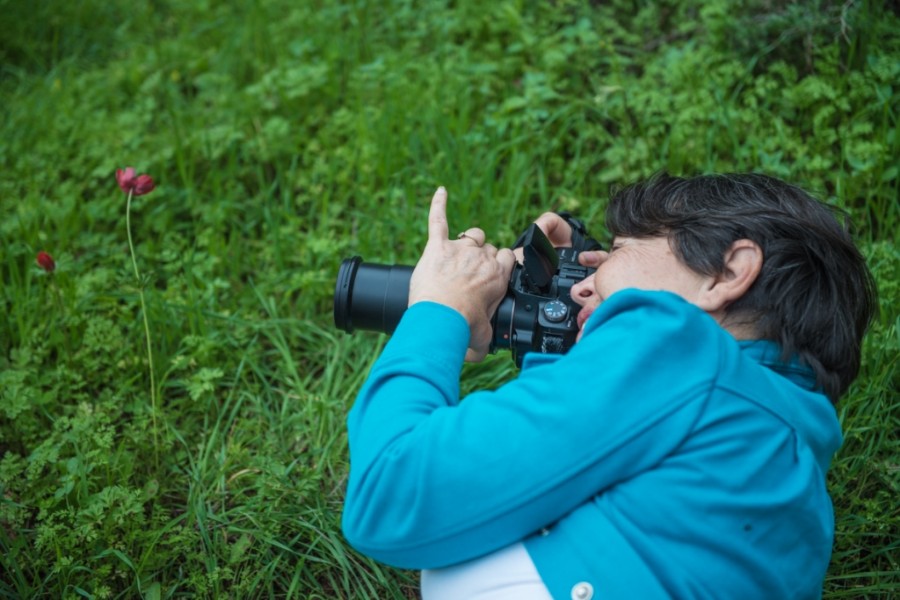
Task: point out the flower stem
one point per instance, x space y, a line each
57 293
137 276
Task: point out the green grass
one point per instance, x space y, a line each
286 136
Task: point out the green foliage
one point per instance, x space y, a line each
286 136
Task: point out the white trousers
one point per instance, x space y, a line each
508 574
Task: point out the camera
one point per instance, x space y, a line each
537 314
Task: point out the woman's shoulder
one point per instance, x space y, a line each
653 314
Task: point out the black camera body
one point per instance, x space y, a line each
537 314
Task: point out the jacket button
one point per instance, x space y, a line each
582 591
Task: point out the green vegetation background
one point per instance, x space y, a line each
285 136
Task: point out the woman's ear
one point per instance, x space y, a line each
742 263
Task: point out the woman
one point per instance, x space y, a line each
678 450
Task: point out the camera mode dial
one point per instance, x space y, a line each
556 311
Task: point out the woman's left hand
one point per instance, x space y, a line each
465 274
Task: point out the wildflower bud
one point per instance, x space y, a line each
130 183
125 178
45 261
143 185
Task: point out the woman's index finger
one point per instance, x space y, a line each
438 229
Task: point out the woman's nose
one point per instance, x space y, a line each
584 292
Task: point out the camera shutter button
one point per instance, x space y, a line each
556 311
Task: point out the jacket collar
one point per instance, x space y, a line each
769 354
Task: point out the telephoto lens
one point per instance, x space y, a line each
538 313
370 296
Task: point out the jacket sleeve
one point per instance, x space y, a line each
435 482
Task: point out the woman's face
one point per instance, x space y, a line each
642 263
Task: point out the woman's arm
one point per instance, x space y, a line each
435 482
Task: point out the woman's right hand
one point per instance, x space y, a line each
559 233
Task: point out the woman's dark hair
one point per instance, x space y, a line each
814 295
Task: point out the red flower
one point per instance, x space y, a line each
131 184
45 261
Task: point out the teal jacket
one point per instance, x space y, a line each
658 458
